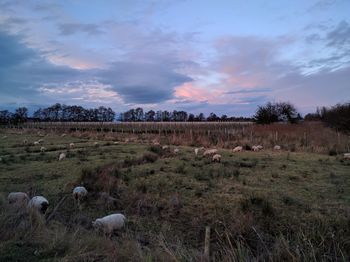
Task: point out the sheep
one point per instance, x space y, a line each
25 141
210 152
257 148
42 149
176 150
71 145
18 198
216 158
277 147
238 149
39 204
95 143
109 223
347 156
196 150
41 141
116 143
61 157
165 147
79 193
4 137
36 143
63 135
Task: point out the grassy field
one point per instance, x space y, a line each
266 205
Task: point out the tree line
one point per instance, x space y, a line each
139 115
59 113
337 116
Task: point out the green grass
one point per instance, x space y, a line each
260 205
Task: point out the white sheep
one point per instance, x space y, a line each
79 193
346 156
71 145
61 157
216 158
116 143
109 223
95 143
238 149
165 147
277 147
41 141
196 150
36 143
257 148
39 204
42 149
176 150
18 198
210 152
63 135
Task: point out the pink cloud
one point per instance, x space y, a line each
189 91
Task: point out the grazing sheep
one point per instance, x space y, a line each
18 198
71 145
79 193
347 156
257 148
38 203
63 135
277 147
116 143
237 149
41 141
216 158
165 147
61 157
109 223
176 150
42 149
95 143
210 152
36 143
196 150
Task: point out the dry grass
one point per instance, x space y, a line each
265 206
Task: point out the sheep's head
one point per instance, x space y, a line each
44 207
97 224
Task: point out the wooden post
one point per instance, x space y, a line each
207 243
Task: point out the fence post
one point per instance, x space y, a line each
207 243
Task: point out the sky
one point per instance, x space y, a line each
223 56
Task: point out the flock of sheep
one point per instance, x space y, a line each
110 223
38 205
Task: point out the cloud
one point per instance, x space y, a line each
73 28
340 36
143 82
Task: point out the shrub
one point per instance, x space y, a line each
149 157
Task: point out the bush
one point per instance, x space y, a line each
276 112
149 157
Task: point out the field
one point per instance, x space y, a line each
289 205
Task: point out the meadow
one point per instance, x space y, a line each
288 205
